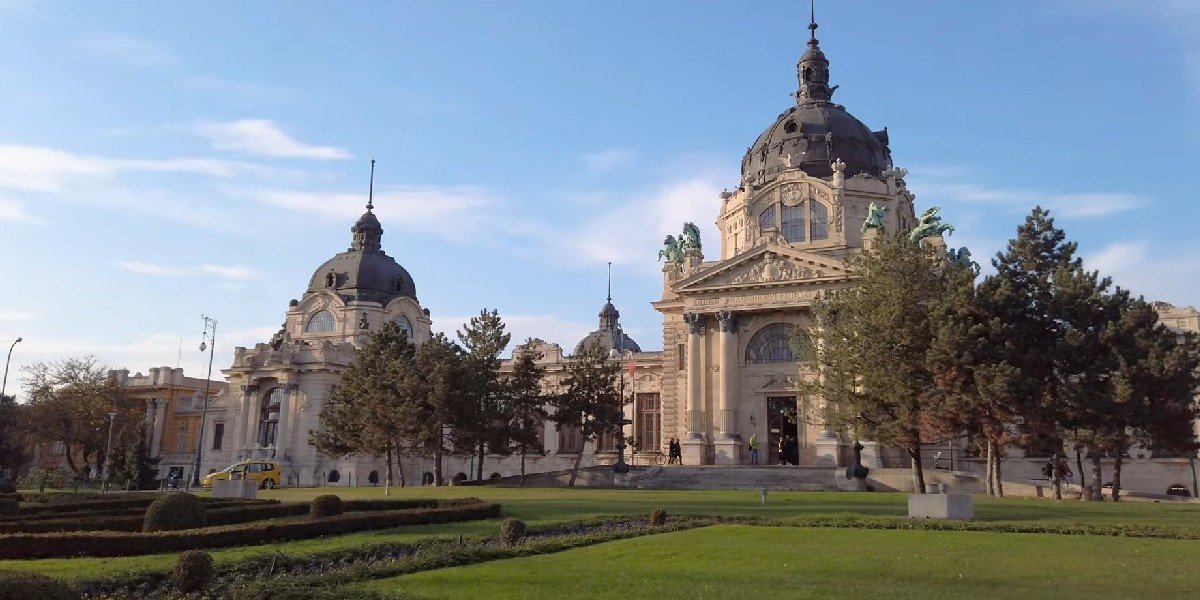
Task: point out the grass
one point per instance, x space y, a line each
547 505
734 561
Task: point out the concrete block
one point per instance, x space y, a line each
235 488
941 506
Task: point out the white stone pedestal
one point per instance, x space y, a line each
235 488
728 452
941 506
693 451
827 450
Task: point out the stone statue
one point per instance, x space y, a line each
857 470
787 160
928 225
838 166
875 215
279 338
362 323
690 238
672 250
961 258
330 278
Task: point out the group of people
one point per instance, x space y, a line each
674 452
1061 473
789 450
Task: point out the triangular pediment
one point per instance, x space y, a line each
766 265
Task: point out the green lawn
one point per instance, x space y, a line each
744 562
546 505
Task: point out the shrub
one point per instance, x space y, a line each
9 506
193 571
327 505
174 511
7 488
22 585
658 518
14 496
512 531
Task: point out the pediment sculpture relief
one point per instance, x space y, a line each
772 268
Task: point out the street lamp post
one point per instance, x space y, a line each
620 466
4 385
104 472
209 340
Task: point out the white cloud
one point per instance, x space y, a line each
942 186
262 137
227 272
13 211
550 327
607 161
1158 273
42 169
10 316
128 50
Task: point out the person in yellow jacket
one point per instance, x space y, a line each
754 448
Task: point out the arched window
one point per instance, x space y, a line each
334 476
321 322
405 326
766 218
268 421
819 217
771 344
793 223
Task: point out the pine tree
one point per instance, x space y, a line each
525 402
591 401
370 410
440 394
867 354
482 424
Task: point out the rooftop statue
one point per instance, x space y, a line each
690 238
875 215
672 250
929 224
962 258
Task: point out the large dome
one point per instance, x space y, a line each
610 336
364 272
816 132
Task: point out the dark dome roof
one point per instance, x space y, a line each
610 335
364 272
816 132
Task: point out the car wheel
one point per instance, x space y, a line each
268 484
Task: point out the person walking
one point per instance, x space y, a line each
754 449
675 453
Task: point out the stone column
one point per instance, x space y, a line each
283 438
249 417
694 446
728 444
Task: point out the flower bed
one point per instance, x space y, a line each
115 543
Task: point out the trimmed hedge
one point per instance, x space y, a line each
512 531
22 585
14 496
104 543
193 571
9 506
327 505
175 511
7 488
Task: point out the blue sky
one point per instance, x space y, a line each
156 164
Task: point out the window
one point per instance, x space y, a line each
771 344
570 440
58 448
648 426
405 326
766 219
321 322
819 217
793 223
268 422
181 439
218 436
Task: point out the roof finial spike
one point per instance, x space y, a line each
371 188
609 282
812 22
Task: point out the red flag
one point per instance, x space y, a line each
632 368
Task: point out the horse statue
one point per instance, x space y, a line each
875 215
672 250
690 238
928 225
961 258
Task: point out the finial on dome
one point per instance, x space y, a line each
813 68
609 298
812 22
371 188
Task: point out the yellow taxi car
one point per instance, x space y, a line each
265 472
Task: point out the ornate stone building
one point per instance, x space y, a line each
786 231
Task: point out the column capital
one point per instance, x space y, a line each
695 322
727 320
249 389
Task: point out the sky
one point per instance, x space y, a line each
206 158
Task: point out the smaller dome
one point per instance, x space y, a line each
609 336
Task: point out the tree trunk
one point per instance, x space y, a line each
999 474
1097 490
387 478
575 467
991 468
1054 474
1083 489
1116 493
479 464
918 471
437 466
400 470
522 465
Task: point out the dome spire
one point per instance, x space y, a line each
368 233
813 69
371 188
609 282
